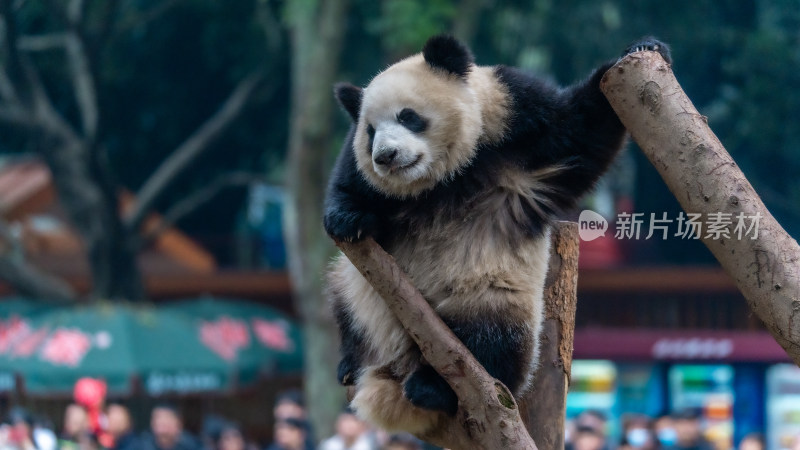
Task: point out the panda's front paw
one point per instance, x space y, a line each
346 372
427 389
350 226
652 44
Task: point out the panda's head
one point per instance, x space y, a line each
419 121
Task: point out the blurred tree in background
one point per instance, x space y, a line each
156 74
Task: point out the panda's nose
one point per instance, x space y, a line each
385 157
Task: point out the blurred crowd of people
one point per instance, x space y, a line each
90 424
680 431
87 427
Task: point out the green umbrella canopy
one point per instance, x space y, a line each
244 330
52 349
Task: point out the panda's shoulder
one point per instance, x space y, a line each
523 83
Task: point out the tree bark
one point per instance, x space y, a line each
316 42
543 409
487 417
705 179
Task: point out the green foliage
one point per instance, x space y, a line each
404 25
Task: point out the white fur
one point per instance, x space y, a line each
460 114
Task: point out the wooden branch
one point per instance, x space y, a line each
705 179
83 84
197 199
42 42
544 407
487 417
17 117
142 18
26 279
191 149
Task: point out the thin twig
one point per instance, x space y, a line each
192 148
189 204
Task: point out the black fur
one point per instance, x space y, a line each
427 389
349 98
352 344
574 128
499 345
448 54
411 120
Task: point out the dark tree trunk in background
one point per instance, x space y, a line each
71 147
316 40
93 210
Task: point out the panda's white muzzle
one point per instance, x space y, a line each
393 149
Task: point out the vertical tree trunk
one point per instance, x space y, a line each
93 211
544 407
316 39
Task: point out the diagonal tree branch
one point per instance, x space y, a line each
184 207
704 178
83 83
42 42
26 279
487 417
144 17
198 143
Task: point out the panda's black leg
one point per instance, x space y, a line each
427 389
352 345
504 349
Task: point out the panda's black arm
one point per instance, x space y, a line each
353 208
574 130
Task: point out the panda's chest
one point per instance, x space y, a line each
477 251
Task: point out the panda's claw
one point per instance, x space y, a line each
649 43
351 226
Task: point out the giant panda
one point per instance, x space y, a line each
458 171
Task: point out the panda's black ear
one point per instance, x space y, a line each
447 53
349 97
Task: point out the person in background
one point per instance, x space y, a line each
43 435
166 431
402 441
75 431
588 438
290 405
290 434
688 431
594 420
752 441
352 433
120 427
19 431
637 433
664 430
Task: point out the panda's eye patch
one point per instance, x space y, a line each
411 120
371 134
